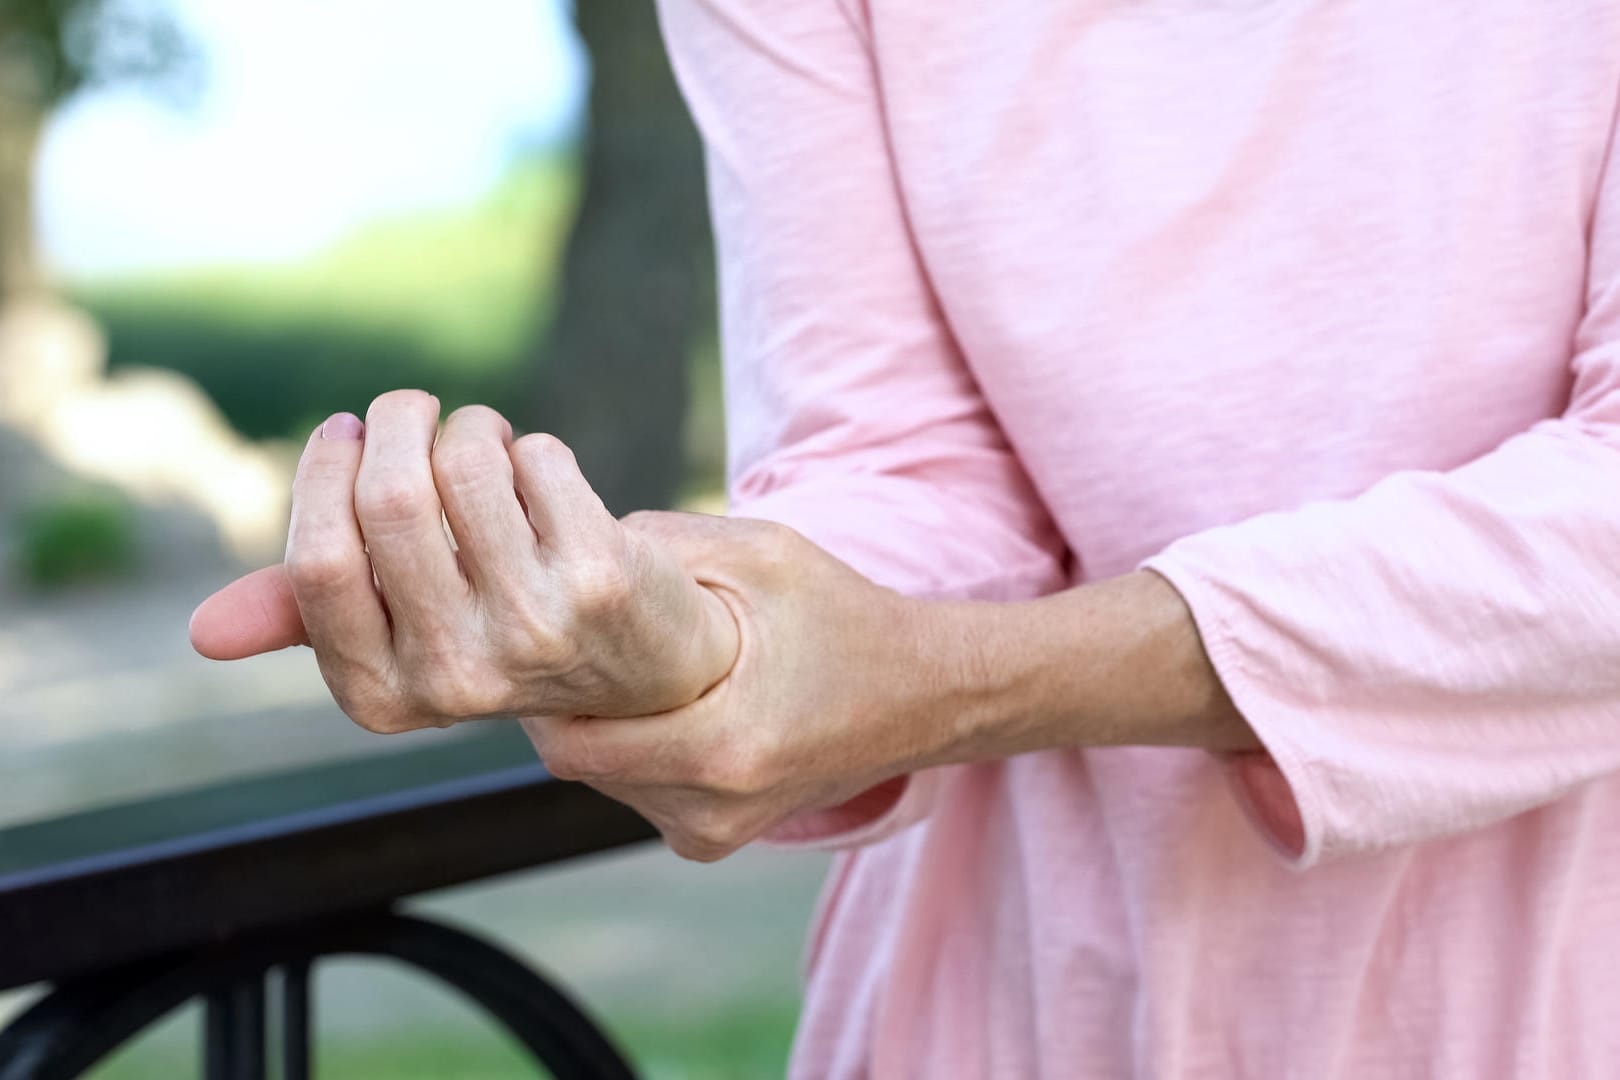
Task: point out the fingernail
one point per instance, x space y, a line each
343 425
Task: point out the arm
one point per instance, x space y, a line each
1440 652
1430 657
852 415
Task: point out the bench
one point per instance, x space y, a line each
233 892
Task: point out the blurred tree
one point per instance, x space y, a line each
50 49
637 284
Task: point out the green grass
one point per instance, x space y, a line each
452 302
745 1043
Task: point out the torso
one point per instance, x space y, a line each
1149 223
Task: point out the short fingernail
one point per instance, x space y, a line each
343 425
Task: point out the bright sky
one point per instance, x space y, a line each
316 115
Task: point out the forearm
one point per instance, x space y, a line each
1114 663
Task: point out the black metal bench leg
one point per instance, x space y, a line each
233 1040
66 1033
296 993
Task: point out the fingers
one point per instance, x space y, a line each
702 815
253 614
400 515
472 470
327 570
567 515
673 749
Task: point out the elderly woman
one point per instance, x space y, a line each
1176 514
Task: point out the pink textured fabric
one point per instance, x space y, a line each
1311 306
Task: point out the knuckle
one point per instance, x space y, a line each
390 498
528 639
481 415
692 850
563 760
739 773
382 725
541 737
575 755
322 468
599 588
460 462
317 569
451 689
564 767
712 837
540 450
403 400
379 718
559 765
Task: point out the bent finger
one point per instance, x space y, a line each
648 751
327 569
472 470
567 514
401 518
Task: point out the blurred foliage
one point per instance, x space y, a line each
76 536
51 48
450 302
447 302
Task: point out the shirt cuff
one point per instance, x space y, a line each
1272 785
873 815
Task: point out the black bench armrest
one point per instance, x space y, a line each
96 889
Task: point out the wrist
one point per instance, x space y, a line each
1114 663
959 698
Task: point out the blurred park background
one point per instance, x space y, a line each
223 220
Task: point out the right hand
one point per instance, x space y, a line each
546 604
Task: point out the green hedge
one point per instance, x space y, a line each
76 536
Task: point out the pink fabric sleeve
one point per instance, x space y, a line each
1443 651
852 417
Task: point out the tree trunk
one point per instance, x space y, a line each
637 275
21 122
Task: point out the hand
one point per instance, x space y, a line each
837 687
841 686
535 601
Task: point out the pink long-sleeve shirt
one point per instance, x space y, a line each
1311 306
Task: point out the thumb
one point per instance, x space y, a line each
695 539
253 614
